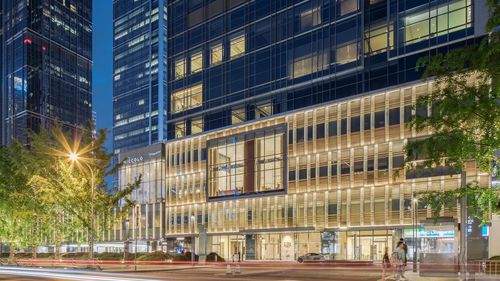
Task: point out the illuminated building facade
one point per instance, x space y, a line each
286 127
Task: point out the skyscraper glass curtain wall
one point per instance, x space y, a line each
240 55
46 64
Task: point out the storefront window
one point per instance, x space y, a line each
247 163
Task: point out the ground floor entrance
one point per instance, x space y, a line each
288 246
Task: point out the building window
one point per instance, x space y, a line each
367 121
355 124
378 38
394 116
216 53
237 46
188 98
308 64
238 115
247 163
452 16
197 125
180 68
347 6
264 110
379 119
180 129
346 53
310 18
196 62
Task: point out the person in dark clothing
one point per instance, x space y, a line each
405 248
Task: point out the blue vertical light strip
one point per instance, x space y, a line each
161 68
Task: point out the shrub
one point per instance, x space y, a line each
110 256
185 257
211 257
75 256
155 256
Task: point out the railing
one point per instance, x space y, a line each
491 267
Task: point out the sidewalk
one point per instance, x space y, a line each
415 276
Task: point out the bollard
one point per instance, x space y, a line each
238 269
228 269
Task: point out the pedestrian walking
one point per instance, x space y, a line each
401 257
386 263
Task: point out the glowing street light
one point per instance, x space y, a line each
74 157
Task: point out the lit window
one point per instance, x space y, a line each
437 21
216 52
238 116
309 64
180 129
237 45
196 62
263 110
196 125
141 102
347 6
180 68
310 18
247 163
347 53
188 98
377 37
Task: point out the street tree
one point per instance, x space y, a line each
75 184
464 120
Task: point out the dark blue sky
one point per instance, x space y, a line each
103 64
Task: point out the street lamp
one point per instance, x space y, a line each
74 157
415 233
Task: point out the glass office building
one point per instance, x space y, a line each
286 122
138 73
46 65
232 61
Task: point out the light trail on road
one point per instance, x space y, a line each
78 275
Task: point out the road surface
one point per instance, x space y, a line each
218 274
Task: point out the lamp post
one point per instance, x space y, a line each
415 233
137 232
74 157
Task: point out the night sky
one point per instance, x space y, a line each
103 65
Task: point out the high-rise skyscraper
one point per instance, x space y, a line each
287 122
46 65
138 79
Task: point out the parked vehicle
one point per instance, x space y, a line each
311 257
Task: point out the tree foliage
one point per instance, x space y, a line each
464 119
47 197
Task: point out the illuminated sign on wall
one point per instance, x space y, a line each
421 233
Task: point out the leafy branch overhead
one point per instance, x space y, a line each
462 112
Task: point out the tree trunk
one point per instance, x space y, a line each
57 242
34 244
12 253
